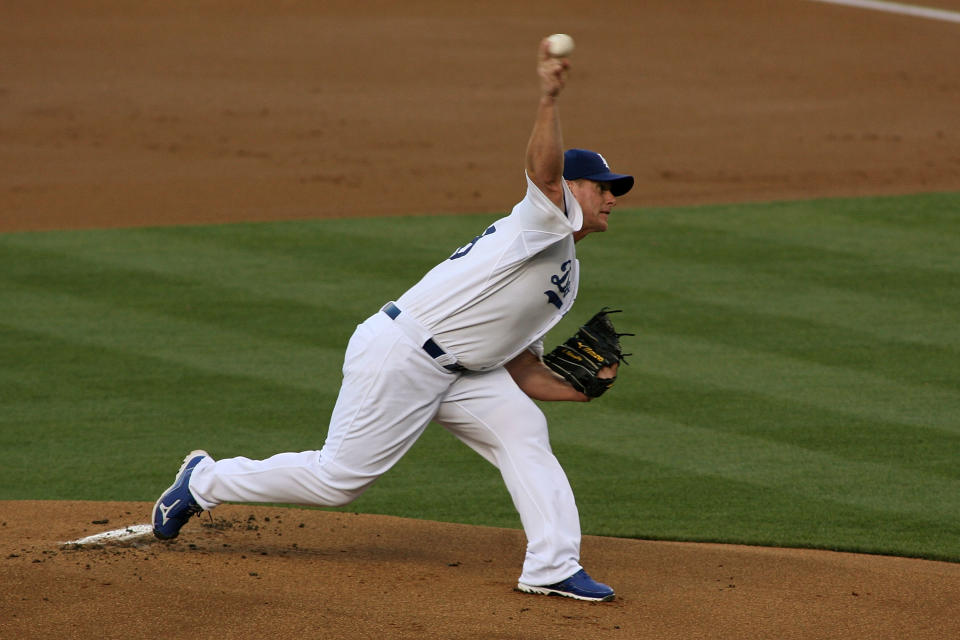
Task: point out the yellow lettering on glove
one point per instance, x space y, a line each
590 352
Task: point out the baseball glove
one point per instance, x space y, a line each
594 346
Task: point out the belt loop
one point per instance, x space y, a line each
434 350
391 310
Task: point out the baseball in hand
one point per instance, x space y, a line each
560 45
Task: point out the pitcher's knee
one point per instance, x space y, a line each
340 489
341 498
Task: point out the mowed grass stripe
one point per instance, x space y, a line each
309 263
59 377
85 421
203 346
894 318
768 464
808 339
914 231
664 502
306 281
679 481
723 248
242 300
792 380
783 422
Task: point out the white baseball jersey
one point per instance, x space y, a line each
504 290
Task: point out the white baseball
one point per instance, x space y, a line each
560 45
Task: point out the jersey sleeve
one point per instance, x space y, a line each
538 212
536 348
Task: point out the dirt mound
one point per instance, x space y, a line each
255 572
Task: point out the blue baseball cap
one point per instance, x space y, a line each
581 163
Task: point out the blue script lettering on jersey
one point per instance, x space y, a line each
562 282
464 250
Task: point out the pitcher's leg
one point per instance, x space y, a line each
390 392
288 478
491 415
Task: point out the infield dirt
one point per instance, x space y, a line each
194 112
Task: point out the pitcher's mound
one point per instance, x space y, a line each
269 572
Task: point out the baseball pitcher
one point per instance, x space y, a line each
464 347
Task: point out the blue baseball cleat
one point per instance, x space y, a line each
176 505
580 586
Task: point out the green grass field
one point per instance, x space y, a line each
795 378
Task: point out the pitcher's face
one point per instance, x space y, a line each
596 200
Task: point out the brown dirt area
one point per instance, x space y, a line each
256 572
124 114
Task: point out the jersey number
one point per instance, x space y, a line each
464 250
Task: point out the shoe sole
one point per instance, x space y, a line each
153 514
546 591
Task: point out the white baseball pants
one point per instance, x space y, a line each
391 391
